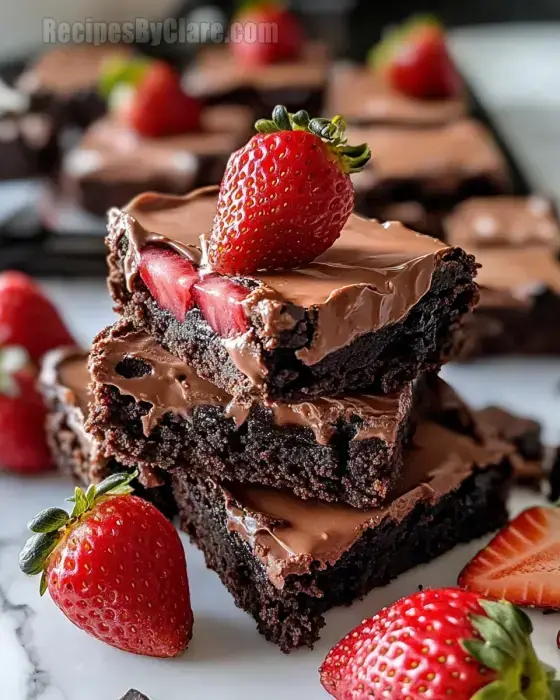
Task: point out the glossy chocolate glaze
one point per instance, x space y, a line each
371 277
503 221
172 386
442 158
363 97
290 536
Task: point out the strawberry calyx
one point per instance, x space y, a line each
504 646
352 159
118 72
51 525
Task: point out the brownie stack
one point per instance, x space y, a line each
312 450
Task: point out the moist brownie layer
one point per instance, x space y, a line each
64 383
380 306
287 561
150 408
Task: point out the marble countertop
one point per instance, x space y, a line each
44 657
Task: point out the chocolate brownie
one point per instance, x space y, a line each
64 82
519 303
555 477
288 561
28 145
435 400
152 409
380 306
218 78
64 382
111 164
364 98
503 221
438 166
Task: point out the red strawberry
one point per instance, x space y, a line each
23 444
159 106
522 562
438 644
115 567
285 195
27 317
170 278
416 61
265 33
220 299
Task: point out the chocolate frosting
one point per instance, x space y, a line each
216 71
290 536
172 386
364 97
69 69
110 151
503 221
371 277
442 158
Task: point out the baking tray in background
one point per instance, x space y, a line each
73 242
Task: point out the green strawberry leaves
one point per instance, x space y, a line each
49 525
330 131
504 645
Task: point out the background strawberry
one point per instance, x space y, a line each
282 26
23 443
115 567
158 105
438 644
285 195
522 562
415 60
27 318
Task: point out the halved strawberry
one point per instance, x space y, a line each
170 278
219 300
522 563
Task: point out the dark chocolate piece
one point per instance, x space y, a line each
503 221
151 408
364 98
218 78
287 561
134 695
112 164
555 478
380 306
64 382
437 167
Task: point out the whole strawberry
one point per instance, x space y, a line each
115 567
415 60
286 195
436 644
27 318
23 442
265 33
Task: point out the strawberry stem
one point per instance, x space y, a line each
50 525
331 131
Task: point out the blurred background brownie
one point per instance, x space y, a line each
437 167
112 163
65 81
64 383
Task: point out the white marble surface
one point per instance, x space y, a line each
43 657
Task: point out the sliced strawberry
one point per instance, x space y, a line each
159 106
522 563
219 300
170 278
